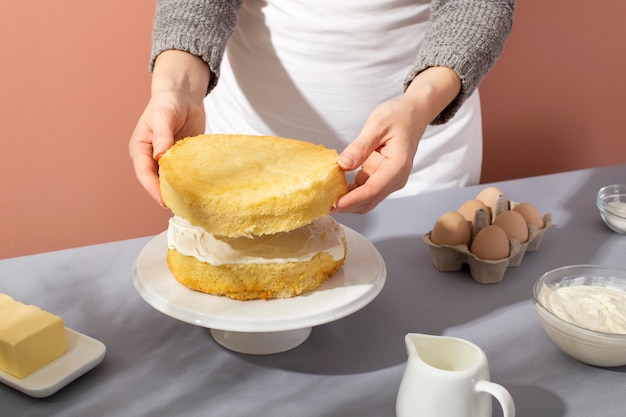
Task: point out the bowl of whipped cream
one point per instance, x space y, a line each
583 310
611 201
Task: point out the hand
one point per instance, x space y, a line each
174 111
387 144
167 117
384 150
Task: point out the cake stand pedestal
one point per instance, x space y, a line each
261 343
262 327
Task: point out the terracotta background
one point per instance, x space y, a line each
74 79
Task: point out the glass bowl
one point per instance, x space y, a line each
606 348
611 201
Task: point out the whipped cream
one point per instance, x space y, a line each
596 308
321 235
616 213
617 207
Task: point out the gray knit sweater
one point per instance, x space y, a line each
465 35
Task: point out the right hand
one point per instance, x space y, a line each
175 111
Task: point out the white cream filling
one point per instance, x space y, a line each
322 235
596 308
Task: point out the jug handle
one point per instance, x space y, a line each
501 394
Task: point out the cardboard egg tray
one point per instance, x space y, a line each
448 258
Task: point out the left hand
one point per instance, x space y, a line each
384 150
387 144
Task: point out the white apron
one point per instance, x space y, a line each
315 70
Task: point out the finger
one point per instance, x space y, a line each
378 178
358 200
146 169
369 167
357 152
362 197
162 136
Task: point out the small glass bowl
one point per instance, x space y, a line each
588 346
611 202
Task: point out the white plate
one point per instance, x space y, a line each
356 284
83 354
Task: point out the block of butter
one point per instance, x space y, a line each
29 337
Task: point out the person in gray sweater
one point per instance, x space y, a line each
392 82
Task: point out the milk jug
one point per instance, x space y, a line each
447 376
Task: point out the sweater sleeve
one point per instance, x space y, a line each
200 27
467 36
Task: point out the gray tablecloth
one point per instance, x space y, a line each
158 366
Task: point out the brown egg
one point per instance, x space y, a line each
513 224
489 196
452 229
530 213
469 208
490 243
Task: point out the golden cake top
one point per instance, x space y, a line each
243 185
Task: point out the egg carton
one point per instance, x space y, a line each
447 258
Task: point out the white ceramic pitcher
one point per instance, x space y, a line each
447 377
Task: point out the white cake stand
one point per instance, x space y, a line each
261 327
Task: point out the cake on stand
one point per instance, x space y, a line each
261 327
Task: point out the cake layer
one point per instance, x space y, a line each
253 281
241 185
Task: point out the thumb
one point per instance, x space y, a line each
160 150
162 140
356 153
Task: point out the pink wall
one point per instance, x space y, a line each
555 101
73 81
